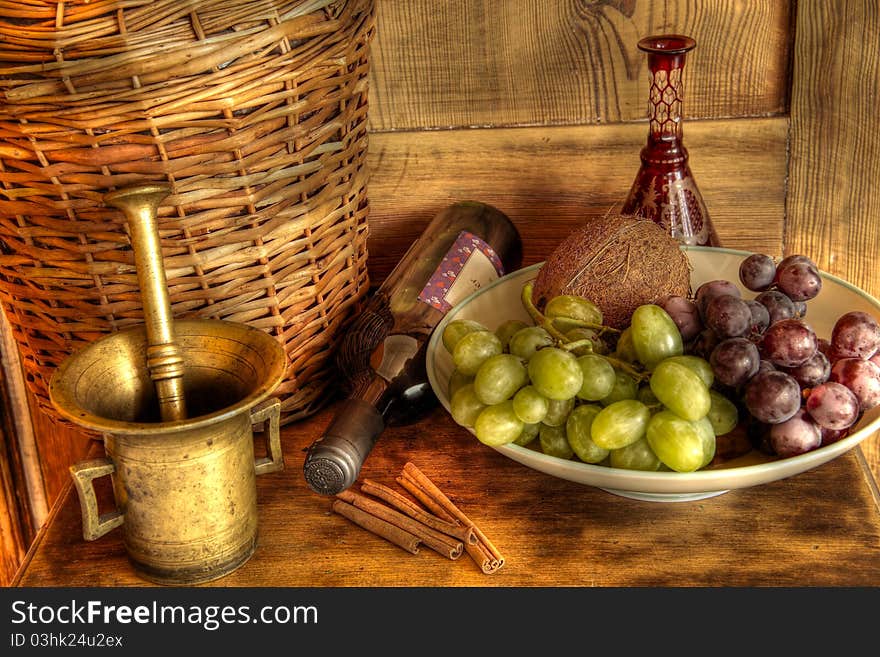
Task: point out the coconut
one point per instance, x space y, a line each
619 263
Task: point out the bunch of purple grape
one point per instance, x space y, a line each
800 391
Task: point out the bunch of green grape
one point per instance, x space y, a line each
585 391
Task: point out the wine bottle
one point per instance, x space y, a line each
381 357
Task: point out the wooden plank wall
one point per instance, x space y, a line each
538 106
463 63
834 198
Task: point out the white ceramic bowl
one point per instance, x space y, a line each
500 301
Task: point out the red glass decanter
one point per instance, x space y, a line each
664 189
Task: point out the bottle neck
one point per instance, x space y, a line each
372 390
665 99
334 460
381 359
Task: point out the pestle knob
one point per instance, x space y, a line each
139 204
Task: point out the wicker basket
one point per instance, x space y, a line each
254 112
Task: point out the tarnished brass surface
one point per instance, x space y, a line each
185 489
139 204
227 367
176 404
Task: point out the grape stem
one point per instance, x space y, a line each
541 320
577 344
526 297
570 345
579 323
639 376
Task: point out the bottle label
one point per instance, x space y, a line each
468 265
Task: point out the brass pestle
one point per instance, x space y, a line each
139 204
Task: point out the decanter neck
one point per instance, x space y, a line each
666 59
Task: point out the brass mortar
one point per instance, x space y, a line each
176 406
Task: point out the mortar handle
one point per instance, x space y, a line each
139 204
94 523
269 410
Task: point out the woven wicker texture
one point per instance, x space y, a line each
254 112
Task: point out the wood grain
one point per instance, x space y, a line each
564 88
16 530
548 180
820 528
550 62
833 196
59 446
34 457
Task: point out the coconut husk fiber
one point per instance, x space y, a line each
618 262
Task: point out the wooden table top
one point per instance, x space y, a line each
819 528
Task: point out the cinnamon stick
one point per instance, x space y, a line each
437 541
413 510
419 480
483 558
422 496
377 526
